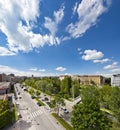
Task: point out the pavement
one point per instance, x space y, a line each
33 117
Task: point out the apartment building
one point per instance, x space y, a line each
87 79
115 80
5 91
5 87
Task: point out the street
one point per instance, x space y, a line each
32 116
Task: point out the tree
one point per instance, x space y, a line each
108 81
31 91
66 86
75 88
115 102
57 103
105 96
87 115
37 93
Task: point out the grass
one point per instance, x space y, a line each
40 101
14 114
62 122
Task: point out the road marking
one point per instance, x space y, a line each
36 113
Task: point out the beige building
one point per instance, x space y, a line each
90 79
5 88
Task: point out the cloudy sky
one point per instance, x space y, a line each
43 37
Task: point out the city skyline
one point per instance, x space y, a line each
44 38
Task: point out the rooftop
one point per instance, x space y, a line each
4 85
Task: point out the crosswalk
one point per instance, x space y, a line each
35 114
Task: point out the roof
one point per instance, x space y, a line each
4 85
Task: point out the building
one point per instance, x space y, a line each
87 79
2 77
115 80
90 79
5 88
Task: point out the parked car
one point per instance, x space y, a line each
48 103
64 110
32 97
46 99
38 104
19 115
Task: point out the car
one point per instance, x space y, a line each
46 98
66 111
38 104
63 108
25 89
20 97
19 115
32 97
48 103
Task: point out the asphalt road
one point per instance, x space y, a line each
33 116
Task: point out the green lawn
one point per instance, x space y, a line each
42 104
62 122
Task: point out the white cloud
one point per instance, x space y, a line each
101 61
117 70
9 70
113 65
20 36
33 69
59 15
88 13
92 55
42 70
60 68
79 49
5 52
52 25
75 8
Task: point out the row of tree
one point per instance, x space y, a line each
67 88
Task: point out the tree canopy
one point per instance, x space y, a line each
87 115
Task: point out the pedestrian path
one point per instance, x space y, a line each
35 114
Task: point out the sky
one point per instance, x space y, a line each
57 37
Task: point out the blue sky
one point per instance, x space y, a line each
44 38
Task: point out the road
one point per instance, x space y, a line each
33 116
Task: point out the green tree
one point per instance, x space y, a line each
57 103
115 102
37 93
75 88
66 86
105 96
31 91
87 115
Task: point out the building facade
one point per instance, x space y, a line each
5 88
115 80
90 79
87 79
